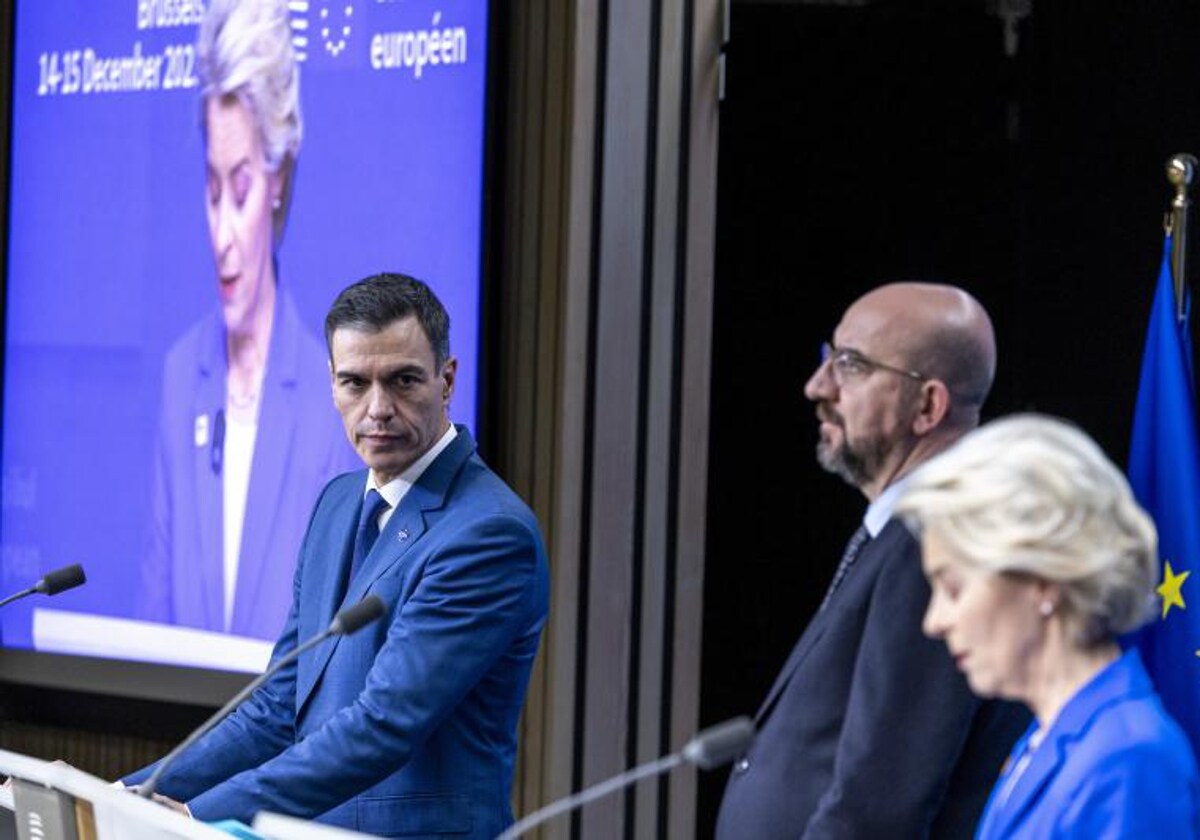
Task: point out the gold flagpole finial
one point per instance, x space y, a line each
1181 171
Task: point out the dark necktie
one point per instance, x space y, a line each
368 529
857 541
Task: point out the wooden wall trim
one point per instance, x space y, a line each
606 288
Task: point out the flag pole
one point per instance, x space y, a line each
1181 170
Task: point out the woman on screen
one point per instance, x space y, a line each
1038 558
248 435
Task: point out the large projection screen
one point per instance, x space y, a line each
112 269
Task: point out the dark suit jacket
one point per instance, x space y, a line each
299 447
870 731
408 727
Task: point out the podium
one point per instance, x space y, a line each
57 802
50 801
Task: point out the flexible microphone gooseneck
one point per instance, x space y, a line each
60 580
344 623
711 748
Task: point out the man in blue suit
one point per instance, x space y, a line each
407 728
869 730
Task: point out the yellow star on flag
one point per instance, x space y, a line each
1171 589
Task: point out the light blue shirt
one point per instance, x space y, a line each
880 511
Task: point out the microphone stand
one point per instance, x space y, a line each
711 748
344 623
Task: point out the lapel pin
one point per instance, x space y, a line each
200 430
403 535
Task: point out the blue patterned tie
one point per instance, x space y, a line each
368 529
857 541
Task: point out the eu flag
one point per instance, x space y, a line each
1164 471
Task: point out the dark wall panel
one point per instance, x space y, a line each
889 141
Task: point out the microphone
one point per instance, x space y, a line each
216 456
354 618
711 748
719 744
344 623
60 580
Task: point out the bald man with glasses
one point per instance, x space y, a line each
869 730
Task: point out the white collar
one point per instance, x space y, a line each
395 489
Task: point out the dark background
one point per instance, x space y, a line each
896 140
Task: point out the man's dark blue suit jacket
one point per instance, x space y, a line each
407 728
869 731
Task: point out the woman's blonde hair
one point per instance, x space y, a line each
1033 495
244 50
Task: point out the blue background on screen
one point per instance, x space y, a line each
110 262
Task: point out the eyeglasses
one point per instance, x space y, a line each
848 365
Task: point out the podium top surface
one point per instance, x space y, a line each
119 814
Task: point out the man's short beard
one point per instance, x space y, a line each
857 467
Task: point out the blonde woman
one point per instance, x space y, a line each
247 433
1039 557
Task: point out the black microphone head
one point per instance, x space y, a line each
719 744
358 616
60 580
216 455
